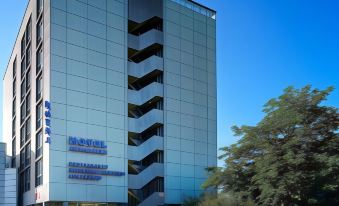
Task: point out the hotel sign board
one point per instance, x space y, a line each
89 171
78 144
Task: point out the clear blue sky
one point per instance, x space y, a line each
263 47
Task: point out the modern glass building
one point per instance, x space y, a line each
111 102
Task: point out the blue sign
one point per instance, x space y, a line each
48 116
88 171
84 177
86 165
93 146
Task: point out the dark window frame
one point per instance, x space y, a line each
28 104
14 127
23 67
39 114
14 147
23 45
39 144
14 87
28 56
39 60
28 130
28 154
23 112
28 80
40 7
14 107
23 89
14 68
27 180
22 158
38 173
29 31
40 31
13 152
22 135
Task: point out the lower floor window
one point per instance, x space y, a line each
27 179
25 175
38 173
38 144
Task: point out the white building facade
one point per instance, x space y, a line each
111 102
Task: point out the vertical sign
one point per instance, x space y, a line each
48 121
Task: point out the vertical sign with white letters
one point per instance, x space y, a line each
48 121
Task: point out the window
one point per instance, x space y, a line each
39 87
39 144
28 80
40 31
22 135
13 152
14 87
13 147
23 67
14 68
28 105
40 61
28 56
13 127
21 182
13 107
23 112
27 184
23 45
22 158
40 6
38 173
39 116
28 154
28 31
23 89
28 129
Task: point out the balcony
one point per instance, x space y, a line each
145 40
136 182
145 94
138 70
153 117
138 153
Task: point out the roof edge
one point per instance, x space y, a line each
16 39
203 6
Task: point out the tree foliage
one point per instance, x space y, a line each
291 157
224 199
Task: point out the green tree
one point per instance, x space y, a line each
223 199
291 157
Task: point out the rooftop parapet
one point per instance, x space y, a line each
197 8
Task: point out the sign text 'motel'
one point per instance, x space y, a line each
48 115
88 171
78 144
